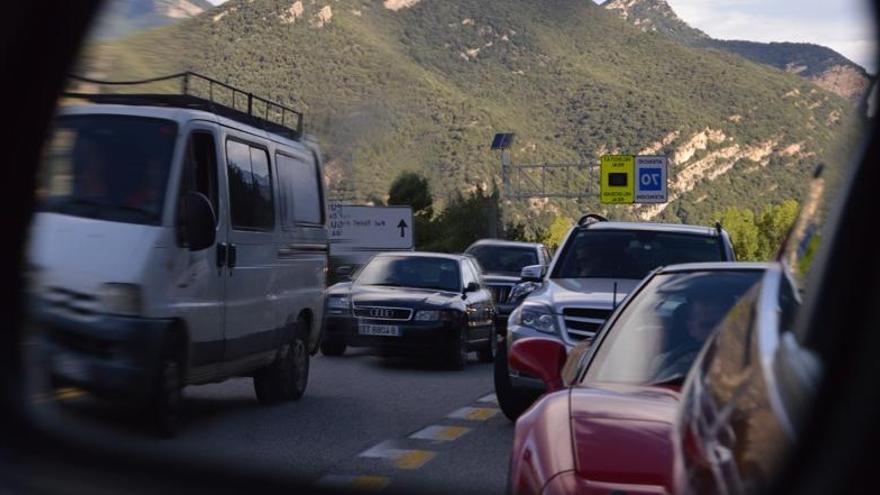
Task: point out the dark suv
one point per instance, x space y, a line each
599 264
502 263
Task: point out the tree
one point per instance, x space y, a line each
774 222
740 224
412 189
556 233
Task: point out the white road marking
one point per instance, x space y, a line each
473 413
440 433
402 458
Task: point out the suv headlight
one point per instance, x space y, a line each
536 316
120 299
339 302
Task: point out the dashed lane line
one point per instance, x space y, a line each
489 399
60 394
401 458
440 433
356 483
473 413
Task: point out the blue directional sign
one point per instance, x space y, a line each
650 175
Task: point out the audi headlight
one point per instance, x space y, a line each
536 316
338 302
434 315
120 299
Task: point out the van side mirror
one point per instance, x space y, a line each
472 287
532 273
541 357
196 221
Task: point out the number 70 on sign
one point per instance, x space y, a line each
650 179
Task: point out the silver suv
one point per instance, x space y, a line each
599 264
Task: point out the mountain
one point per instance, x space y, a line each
409 85
823 66
121 17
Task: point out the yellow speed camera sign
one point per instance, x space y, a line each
616 183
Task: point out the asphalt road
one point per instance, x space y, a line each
365 422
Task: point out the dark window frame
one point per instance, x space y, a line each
322 213
251 145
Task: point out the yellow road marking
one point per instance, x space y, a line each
473 413
440 433
358 483
68 393
401 458
413 459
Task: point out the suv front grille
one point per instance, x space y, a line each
383 313
583 323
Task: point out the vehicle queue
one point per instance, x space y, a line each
606 330
602 336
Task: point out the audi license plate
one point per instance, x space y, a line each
380 330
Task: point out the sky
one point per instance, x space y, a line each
843 25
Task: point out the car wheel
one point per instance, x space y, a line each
286 378
513 401
458 351
168 394
488 354
332 347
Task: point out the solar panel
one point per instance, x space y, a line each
502 140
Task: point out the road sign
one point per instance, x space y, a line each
650 179
357 228
616 179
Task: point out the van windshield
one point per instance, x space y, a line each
111 167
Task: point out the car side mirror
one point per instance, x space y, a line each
472 287
540 357
196 221
532 273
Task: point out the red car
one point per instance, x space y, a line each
606 424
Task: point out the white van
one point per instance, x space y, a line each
178 242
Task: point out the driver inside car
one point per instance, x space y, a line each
692 323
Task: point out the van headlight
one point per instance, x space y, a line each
120 299
536 316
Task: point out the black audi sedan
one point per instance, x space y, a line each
429 303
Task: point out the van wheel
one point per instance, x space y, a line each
487 355
286 378
167 398
332 347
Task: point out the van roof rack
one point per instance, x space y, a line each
590 218
203 93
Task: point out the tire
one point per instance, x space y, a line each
167 399
287 377
332 347
488 354
513 401
458 352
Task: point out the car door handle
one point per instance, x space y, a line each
231 256
222 250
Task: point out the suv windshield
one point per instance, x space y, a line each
657 338
503 260
112 167
631 254
406 271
